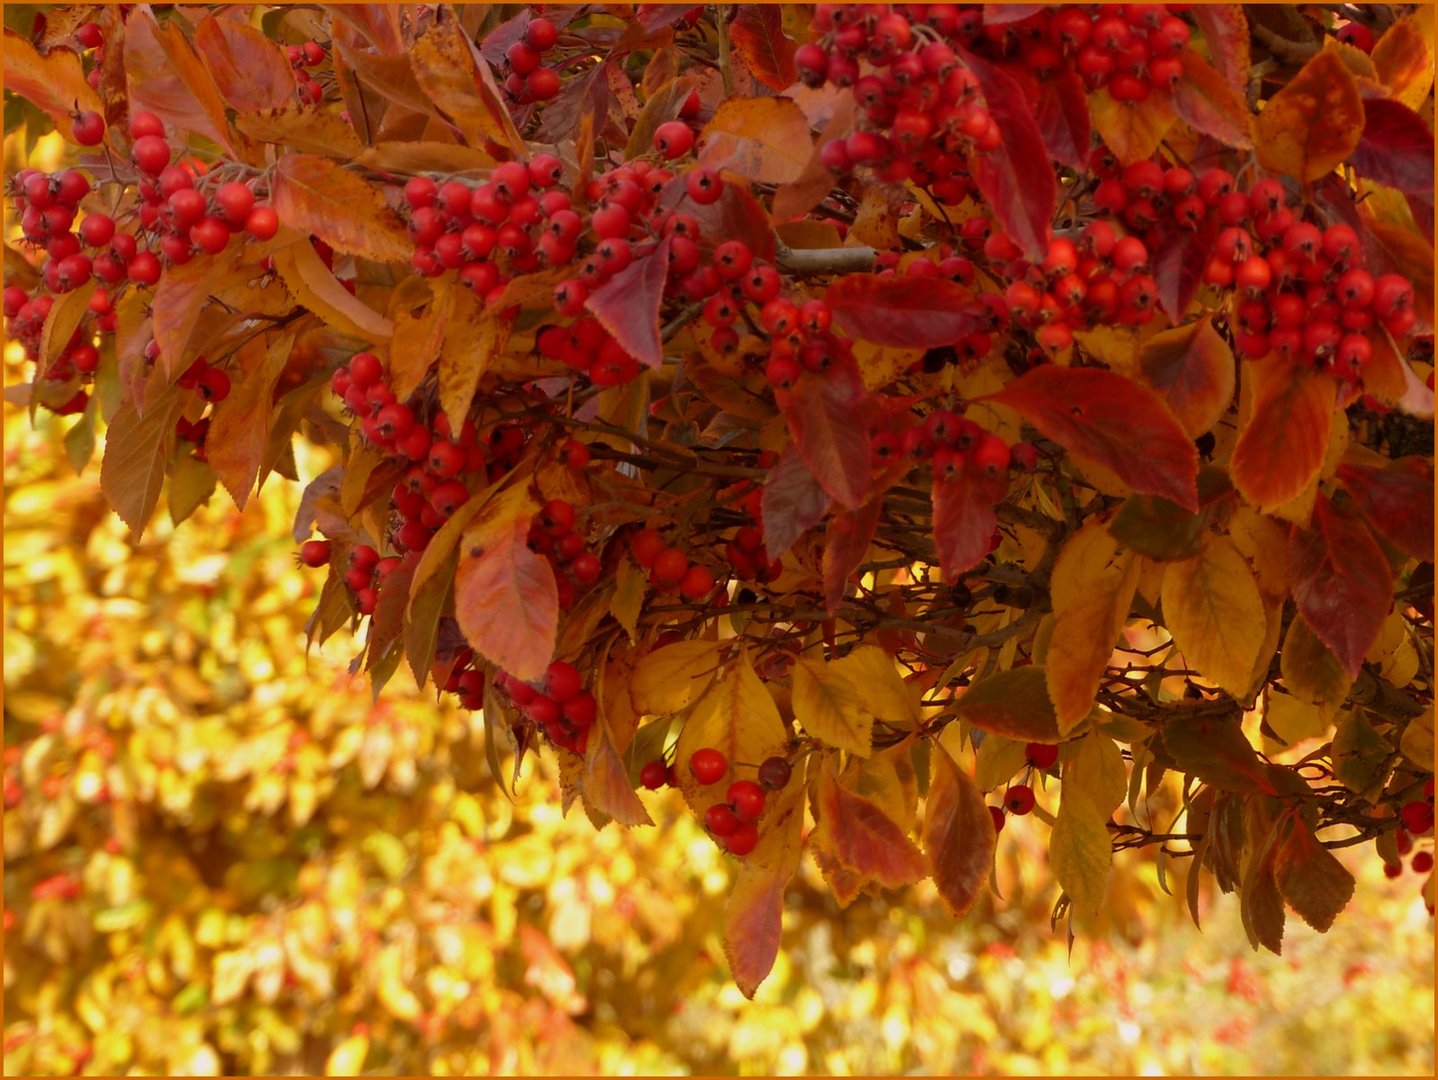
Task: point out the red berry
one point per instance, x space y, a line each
315 553
774 773
744 839
151 154
671 565
721 820
89 128
210 235
262 223
89 35
540 34
1019 799
997 814
1422 862
697 582
145 123
673 139
747 799
1041 755
1417 817
562 681
646 546
708 765
653 775
704 186
235 201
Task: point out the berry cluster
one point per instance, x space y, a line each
528 79
1417 818
734 822
302 58
558 704
924 114
1019 799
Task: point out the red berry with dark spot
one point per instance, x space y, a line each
1019 799
1041 755
747 799
708 765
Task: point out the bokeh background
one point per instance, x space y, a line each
222 855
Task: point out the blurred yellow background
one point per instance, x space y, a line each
222 856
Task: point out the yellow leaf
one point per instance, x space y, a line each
829 708
1095 772
1403 58
1264 543
1294 720
1310 671
1416 741
421 313
1131 130
885 694
997 760
1212 607
628 599
1092 590
738 718
390 987
471 341
347 1058
671 679
310 283
1080 853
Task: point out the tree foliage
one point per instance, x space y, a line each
881 398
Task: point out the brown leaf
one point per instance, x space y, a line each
958 835
1013 703
1314 122
1214 749
180 297
421 309
316 196
240 426
305 131
1316 885
249 70
1192 368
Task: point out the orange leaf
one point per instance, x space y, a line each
316 196
167 77
505 597
757 37
312 285
180 297
958 835
136 450
240 427
1192 368
763 139
249 70
753 917
1316 885
458 80
1283 446
862 837
54 83
421 310
606 783
1207 103
1131 131
1311 125
1225 32
1403 58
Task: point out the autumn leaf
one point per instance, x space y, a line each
311 284
885 694
1316 885
54 83
825 414
964 516
762 139
753 914
1226 34
1205 101
1314 122
1132 130
1282 446
1092 589
1403 58
757 37
180 298
1111 420
458 81
1396 148
1212 607
318 197
249 69
240 425
1341 582
1063 118
1080 853
1180 258
421 310
847 538
671 678
505 596
792 503
739 718
904 311
1192 368
166 76
861 837
958 835
829 707
1013 703
1214 749
606 783
1396 500
136 449
627 305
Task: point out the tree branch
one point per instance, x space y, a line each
844 260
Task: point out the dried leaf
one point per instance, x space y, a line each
320 198
762 139
1314 122
958 836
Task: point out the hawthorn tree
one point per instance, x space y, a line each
872 420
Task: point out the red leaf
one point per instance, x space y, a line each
179 299
167 77
627 305
1016 179
908 312
825 414
964 523
1111 420
1283 446
1207 103
1064 120
250 70
849 536
1397 501
757 36
1341 582
736 215
1179 262
1396 148
1192 367
1225 29
793 502
505 597
753 925
958 835
863 838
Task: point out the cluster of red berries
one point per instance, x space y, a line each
669 567
1019 798
734 822
528 79
552 535
1417 818
366 574
924 114
557 703
302 58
